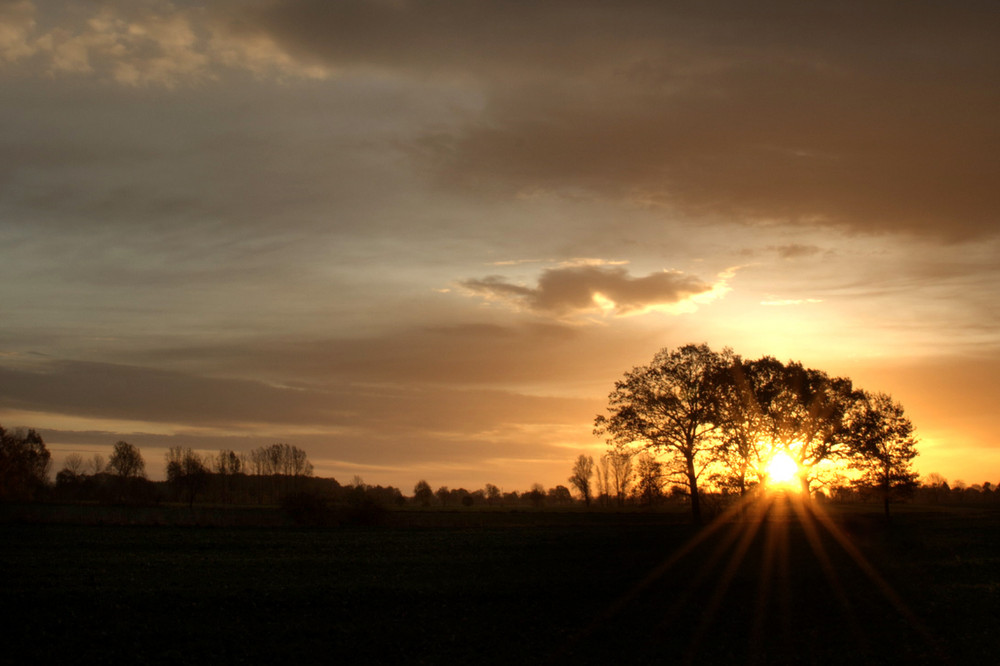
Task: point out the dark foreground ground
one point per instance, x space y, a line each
567 588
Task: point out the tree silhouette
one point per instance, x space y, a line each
583 469
492 493
671 405
804 412
97 464
602 470
745 427
24 464
128 470
649 473
228 462
621 471
443 494
883 446
536 495
126 461
422 493
186 472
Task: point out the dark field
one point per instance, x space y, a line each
501 588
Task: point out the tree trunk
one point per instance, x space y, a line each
885 496
693 487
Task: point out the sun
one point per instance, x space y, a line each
782 472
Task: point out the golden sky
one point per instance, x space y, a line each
423 239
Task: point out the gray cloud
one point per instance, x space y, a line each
864 116
460 356
589 288
133 393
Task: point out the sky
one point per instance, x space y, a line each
421 240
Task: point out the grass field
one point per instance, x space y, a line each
434 587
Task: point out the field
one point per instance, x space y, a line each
510 587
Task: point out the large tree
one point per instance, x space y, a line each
745 428
883 446
671 405
797 411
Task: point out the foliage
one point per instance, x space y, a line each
229 462
672 406
280 459
422 493
714 417
583 470
126 461
804 412
882 440
187 472
620 465
649 473
24 464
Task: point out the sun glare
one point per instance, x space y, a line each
783 473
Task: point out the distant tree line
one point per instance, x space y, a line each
277 474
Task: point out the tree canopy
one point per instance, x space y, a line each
713 414
671 405
24 464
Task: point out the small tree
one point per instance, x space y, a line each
443 494
602 470
422 493
621 471
186 472
536 495
649 485
492 494
129 471
24 464
583 470
126 461
228 462
559 495
883 447
97 465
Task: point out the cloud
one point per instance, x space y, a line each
188 400
796 250
143 43
546 356
589 287
863 116
17 23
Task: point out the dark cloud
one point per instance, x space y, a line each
865 116
460 356
132 393
588 288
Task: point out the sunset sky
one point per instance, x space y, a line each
423 239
